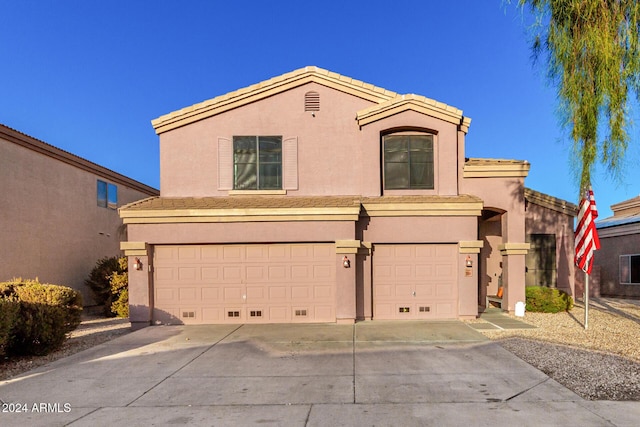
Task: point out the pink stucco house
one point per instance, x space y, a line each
315 197
58 212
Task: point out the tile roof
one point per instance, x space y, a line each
284 202
463 198
550 202
237 98
34 144
241 202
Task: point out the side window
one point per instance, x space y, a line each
630 269
257 162
107 195
408 161
102 194
112 196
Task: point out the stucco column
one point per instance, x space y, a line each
346 251
139 295
363 282
513 252
468 278
513 269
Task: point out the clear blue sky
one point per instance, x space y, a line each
89 76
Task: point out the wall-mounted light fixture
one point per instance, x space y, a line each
345 262
469 261
137 265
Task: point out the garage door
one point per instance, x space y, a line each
273 283
415 282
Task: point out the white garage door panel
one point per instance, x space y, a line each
415 281
277 283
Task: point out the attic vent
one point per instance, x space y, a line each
312 101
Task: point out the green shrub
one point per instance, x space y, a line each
547 300
99 281
45 314
120 307
9 309
119 283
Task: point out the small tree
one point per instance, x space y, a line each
106 280
592 50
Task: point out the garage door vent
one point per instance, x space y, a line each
404 309
255 313
424 309
233 314
302 313
188 314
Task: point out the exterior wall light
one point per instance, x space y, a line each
137 265
469 261
345 262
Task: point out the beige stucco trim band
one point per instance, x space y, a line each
417 103
156 216
470 246
240 218
134 248
514 248
347 246
354 247
257 192
492 170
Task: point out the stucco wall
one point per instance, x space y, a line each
242 232
50 224
541 220
327 141
335 156
503 195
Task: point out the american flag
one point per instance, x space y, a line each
586 238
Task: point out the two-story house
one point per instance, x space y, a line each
314 197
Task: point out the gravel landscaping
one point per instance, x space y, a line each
600 363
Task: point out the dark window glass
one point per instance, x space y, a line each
257 162
408 162
102 194
635 269
630 269
112 196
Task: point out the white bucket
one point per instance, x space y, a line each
520 309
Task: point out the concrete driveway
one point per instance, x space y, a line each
370 373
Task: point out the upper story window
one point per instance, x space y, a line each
408 161
257 162
630 269
107 195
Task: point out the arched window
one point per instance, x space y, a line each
408 161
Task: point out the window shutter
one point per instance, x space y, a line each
225 164
290 164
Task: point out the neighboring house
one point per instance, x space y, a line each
314 197
618 259
58 214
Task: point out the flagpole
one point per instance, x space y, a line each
586 300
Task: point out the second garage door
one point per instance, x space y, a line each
415 281
270 283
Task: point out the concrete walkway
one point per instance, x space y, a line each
372 373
